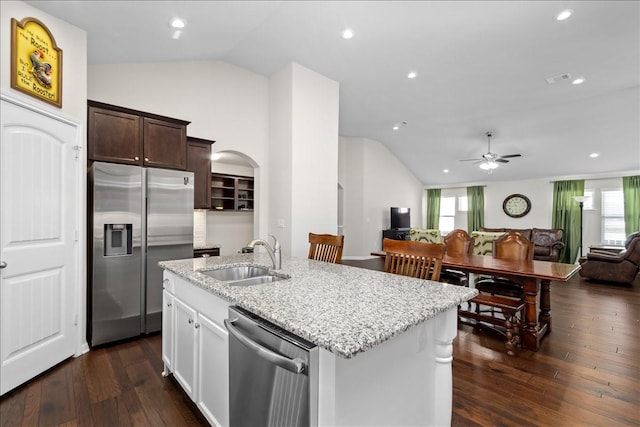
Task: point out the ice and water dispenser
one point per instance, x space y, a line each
118 239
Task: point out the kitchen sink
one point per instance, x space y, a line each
244 275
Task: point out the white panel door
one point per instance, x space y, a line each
37 242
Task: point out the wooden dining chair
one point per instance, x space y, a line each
326 247
514 247
500 304
414 259
458 243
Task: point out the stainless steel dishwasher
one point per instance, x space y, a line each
273 374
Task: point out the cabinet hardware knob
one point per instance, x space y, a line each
197 325
169 305
190 321
146 159
164 283
136 158
3 264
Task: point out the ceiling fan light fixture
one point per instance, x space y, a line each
488 166
177 23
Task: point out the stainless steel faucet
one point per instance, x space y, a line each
274 252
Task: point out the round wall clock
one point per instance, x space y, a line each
516 205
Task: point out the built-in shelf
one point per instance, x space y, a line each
231 192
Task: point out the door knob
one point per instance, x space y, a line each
3 264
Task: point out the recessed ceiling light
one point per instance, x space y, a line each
347 34
177 23
594 155
565 14
396 127
445 170
578 81
412 75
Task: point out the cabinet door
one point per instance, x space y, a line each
165 144
185 341
114 136
199 162
167 331
213 369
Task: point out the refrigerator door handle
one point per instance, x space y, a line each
297 366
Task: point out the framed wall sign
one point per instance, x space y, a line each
36 61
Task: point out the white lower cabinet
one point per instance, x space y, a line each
185 340
195 347
213 367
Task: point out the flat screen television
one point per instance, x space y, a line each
400 218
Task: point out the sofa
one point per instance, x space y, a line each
426 235
608 267
547 242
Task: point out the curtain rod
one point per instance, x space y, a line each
448 187
596 177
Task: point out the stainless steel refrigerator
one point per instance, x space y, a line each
138 217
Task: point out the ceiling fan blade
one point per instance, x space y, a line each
501 160
511 155
469 160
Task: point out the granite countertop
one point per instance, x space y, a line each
344 309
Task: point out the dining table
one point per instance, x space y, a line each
535 278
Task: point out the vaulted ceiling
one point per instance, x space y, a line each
481 66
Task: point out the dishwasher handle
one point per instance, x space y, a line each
297 365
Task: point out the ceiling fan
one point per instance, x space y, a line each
489 160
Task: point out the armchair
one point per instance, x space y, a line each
547 244
619 268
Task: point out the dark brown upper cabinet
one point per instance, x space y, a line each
199 162
122 135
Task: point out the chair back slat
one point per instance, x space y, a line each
413 259
326 247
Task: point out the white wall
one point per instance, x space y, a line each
303 156
280 154
540 192
231 230
73 42
223 102
374 180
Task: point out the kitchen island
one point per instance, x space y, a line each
385 340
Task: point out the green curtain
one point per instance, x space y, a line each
433 208
566 215
475 204
631 193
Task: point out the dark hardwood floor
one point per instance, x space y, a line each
587 373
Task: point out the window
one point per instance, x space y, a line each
588 204
447 214
613 217
463 204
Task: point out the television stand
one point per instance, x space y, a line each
396 233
